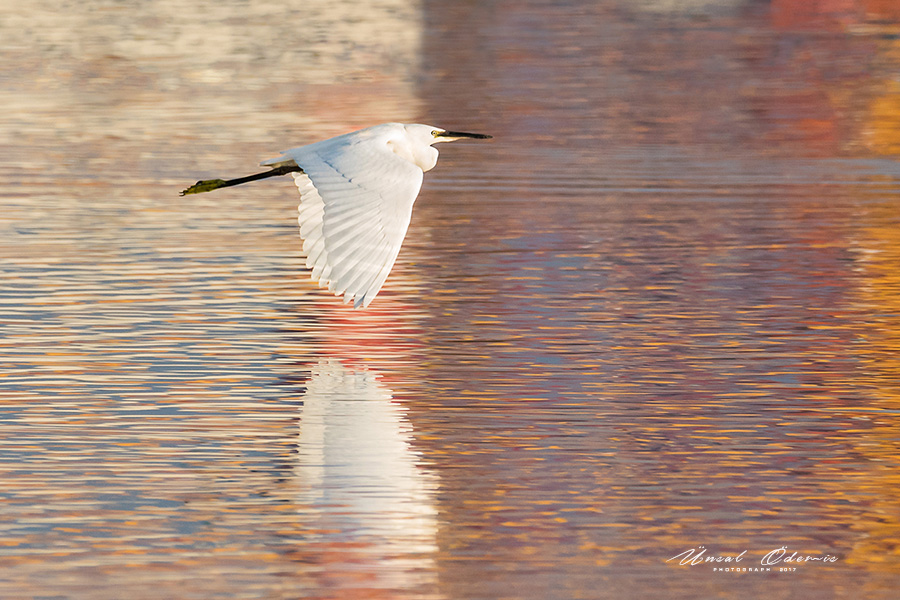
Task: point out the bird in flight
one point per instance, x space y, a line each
356 197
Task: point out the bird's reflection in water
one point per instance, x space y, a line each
370 501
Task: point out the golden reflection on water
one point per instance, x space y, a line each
879 295
658 312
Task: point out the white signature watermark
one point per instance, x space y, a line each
780 559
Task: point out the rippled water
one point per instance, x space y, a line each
659 311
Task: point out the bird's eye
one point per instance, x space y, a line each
435 133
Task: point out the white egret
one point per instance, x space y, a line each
356 197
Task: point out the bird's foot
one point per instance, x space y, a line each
207 185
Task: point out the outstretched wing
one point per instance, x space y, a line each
356 199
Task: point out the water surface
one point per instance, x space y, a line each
658 312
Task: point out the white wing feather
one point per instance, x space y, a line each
356 199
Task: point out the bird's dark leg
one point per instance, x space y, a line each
208 185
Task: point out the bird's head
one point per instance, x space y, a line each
416 141
429 134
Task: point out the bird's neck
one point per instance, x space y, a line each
424 157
